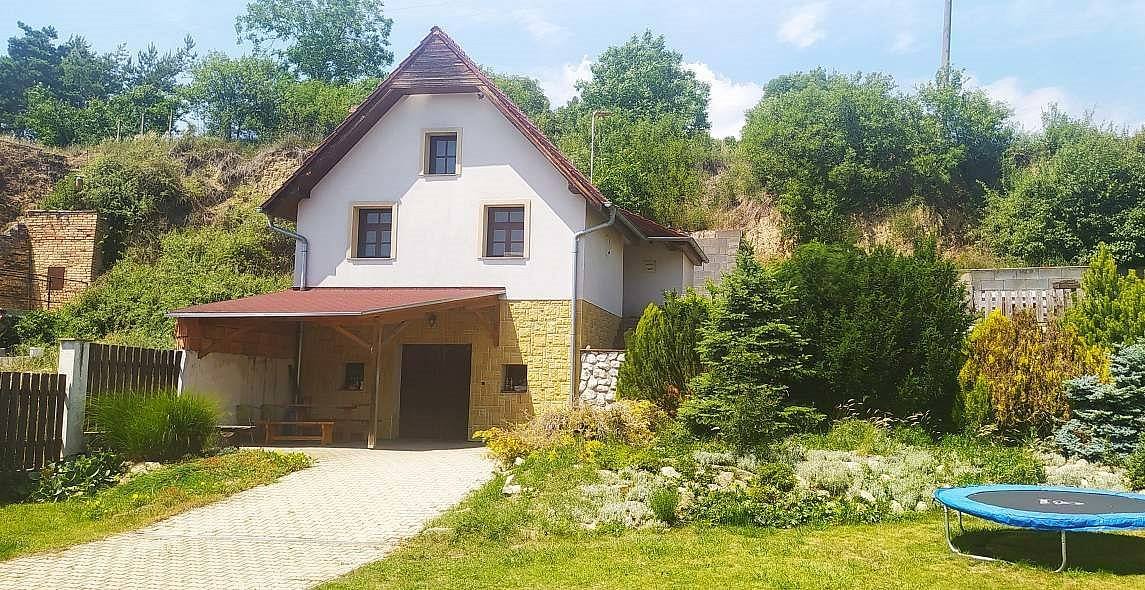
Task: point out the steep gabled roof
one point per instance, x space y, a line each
439 66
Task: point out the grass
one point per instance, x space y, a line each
910 554
146 498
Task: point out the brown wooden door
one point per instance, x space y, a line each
434 399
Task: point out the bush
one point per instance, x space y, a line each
1107 419
664 501
236 258
160 426
80 475
751 352
1013 376
135 185
1135 465
625 422
1111 308
885 330
661 356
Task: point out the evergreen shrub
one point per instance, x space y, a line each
661 355
1107 419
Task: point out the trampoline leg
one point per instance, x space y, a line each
950 542
961 528
1062 566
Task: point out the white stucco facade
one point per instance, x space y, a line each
651 269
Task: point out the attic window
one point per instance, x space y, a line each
441 153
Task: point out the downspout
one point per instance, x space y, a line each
305 250
574 373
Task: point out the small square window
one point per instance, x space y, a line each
514 378
355 377
441 153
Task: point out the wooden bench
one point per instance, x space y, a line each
325 438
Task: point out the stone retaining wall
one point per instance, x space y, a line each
598 372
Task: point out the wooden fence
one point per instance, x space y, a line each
113 368
31 419
1045 290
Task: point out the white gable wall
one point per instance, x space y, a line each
602 265
438 224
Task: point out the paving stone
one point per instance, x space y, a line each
353 507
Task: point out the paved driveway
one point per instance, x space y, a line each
351 508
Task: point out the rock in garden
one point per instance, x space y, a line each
669 471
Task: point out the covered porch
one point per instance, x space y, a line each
356 366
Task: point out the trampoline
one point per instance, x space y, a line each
1043 508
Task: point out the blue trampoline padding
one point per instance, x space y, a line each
958 499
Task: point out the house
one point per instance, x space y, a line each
441 243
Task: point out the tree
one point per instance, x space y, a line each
526 93
32 60
335 41
968 134
1110 310
647 79
1072 188
751 353
161 71
312 108
652 166
833 147
237 98
661 355
885 329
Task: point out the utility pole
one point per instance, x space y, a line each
592 141
946 42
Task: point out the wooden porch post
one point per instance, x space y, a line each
375 403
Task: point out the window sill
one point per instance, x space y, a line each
371 260
500 258
429 176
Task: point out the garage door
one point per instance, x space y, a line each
434 399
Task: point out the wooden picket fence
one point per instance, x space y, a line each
31 419
113 368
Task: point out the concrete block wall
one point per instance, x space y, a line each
720 245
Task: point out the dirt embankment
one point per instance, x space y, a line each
27 174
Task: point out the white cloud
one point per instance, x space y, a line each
539 27
804 26
1028 105
559 84
729 99
905 42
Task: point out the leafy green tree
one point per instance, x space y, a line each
751 352
968 134
652 166
885 329
160 70
237 98
33 60
335 41
648 80
1075 186
661 355
85 75
1111 308
833 147
312 108
526 93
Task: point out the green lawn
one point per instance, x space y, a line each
32 528
910 554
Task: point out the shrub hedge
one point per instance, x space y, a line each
154 426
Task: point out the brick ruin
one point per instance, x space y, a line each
48 257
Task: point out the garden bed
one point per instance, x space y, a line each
140 500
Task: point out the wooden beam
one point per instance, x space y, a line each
491 320
354 337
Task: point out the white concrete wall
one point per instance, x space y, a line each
673 271
438 225
602 266
232 379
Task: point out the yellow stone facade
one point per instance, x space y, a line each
534 333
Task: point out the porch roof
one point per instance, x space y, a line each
319 302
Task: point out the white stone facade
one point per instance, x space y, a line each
599 370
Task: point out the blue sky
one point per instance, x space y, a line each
1085 55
